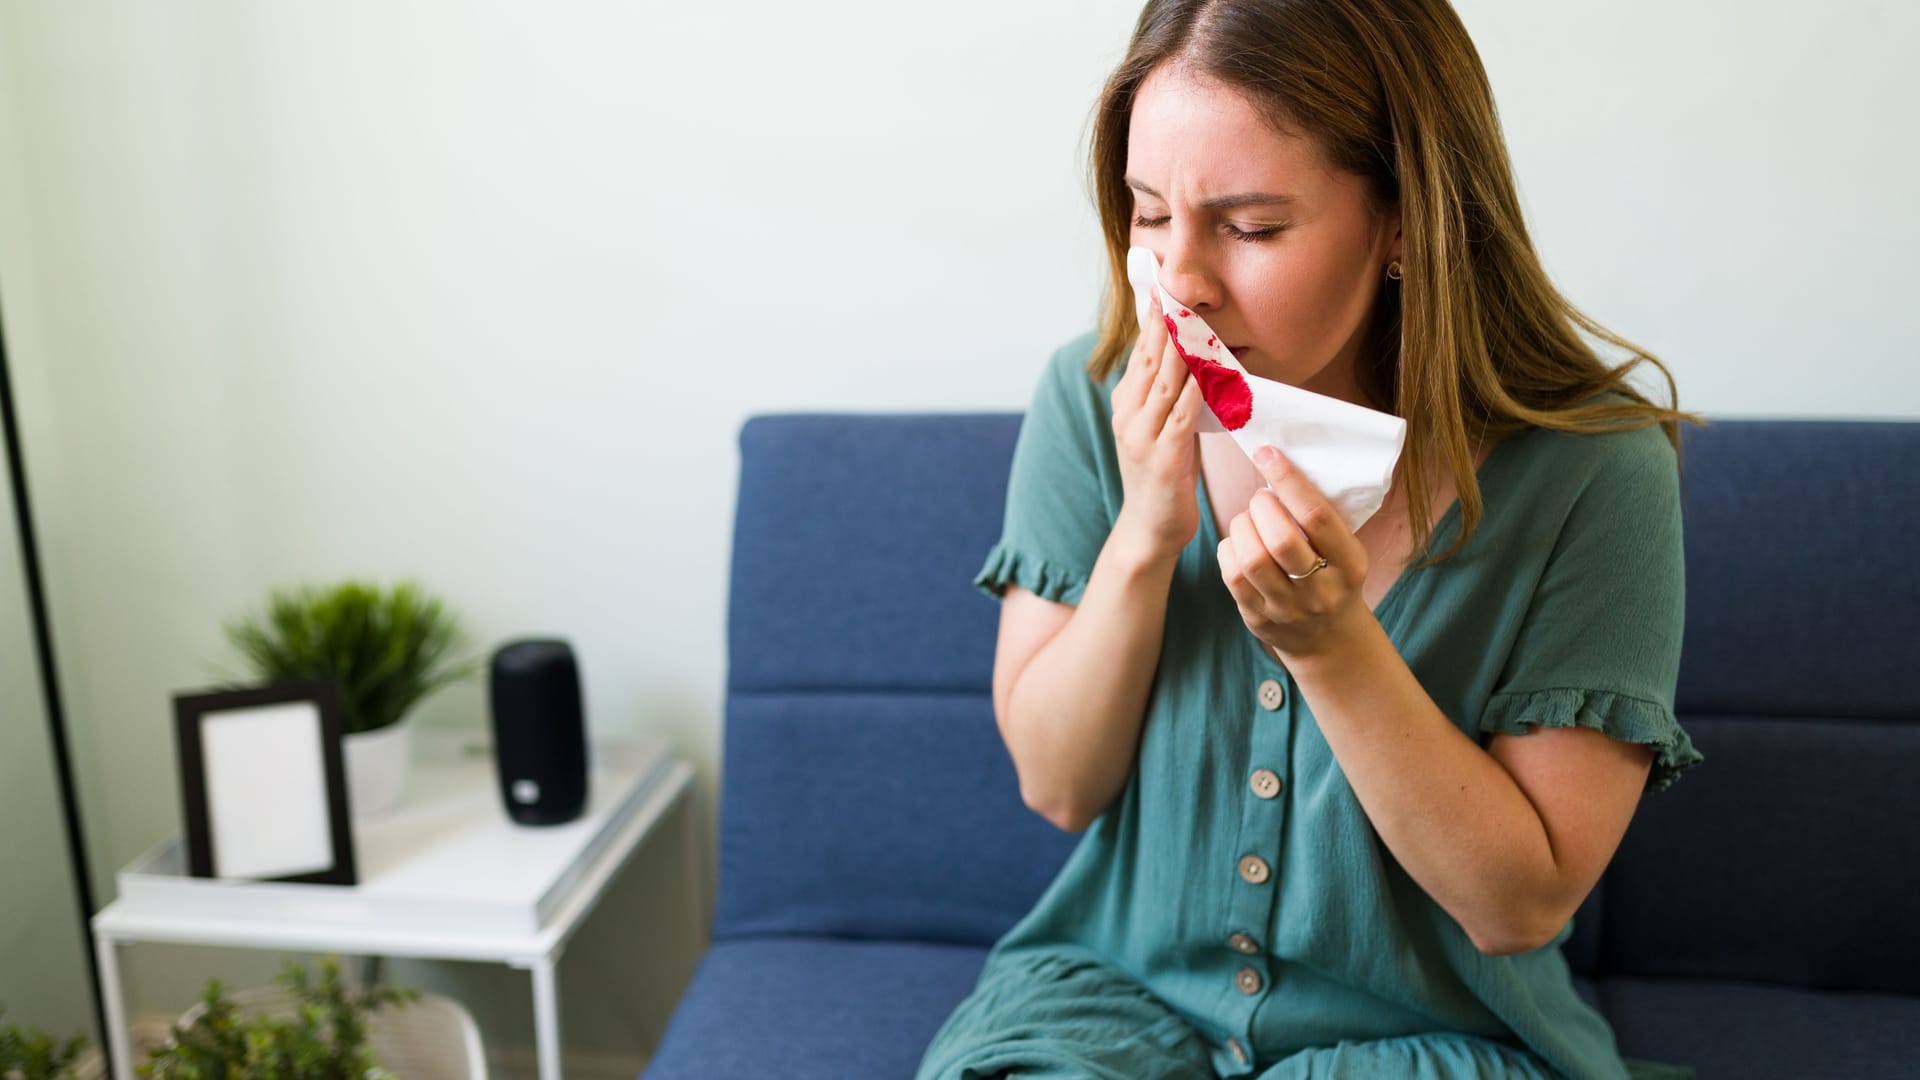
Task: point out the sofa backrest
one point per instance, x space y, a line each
864 790
866 793
1792 854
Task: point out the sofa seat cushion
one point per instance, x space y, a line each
1757 1030
824 1008
849 1009
814 1008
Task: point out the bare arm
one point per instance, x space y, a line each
1070 684
1509 839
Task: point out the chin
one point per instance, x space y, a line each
1279 371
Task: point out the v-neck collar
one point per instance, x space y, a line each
1440 536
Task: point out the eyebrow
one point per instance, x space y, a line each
1223 202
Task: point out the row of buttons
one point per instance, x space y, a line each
1254 869
1266 784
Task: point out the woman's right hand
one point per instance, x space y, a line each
1155 406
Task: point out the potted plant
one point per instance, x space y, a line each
307 1031
389 650
27 1053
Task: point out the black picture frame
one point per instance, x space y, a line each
191 712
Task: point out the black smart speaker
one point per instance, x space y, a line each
539 735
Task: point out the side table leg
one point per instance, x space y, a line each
546 1019
119 1046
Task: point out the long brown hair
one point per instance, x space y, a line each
1475 342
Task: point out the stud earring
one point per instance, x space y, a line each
1393 270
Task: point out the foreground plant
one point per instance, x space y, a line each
325 1038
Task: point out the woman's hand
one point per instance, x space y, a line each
1287 531
1155 405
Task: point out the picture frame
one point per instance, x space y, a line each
263 783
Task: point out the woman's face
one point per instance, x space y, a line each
1255 232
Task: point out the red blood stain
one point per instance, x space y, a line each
1228 394
1212 341
1185 314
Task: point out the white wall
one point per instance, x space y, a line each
1730 183
43 980
482 292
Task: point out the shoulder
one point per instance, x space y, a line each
1066 374
1608 465
1068 400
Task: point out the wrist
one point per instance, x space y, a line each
1348 638
1135 555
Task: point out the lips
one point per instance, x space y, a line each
1226 392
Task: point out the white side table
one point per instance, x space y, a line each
445 876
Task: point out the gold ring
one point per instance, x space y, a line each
1318 566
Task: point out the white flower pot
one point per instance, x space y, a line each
377 767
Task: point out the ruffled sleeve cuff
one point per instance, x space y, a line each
1008 566
1618 716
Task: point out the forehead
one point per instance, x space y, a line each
1189 137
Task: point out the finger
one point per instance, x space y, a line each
1166 389
1311 510
1253 564
1186 411
1288 547
1253 606
1154 333
1144 363
1132 388
1239 558
1244 594
1173 368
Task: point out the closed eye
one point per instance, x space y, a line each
1247 236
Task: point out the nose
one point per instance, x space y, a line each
1185 273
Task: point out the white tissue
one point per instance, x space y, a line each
1348 451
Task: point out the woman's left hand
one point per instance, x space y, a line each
1287 530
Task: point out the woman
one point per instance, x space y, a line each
1343 791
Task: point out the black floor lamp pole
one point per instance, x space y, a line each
50 687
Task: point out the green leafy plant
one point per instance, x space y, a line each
27 1053
324 1039
389 650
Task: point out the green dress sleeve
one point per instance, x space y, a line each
1062 490
1599 646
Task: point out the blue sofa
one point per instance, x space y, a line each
1762 918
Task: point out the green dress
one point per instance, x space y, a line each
1213 922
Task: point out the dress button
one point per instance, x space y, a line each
1272 694
1265 783
1254 869
1248 981
1239 1052
1243 943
